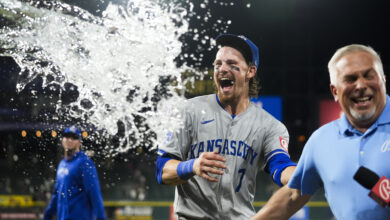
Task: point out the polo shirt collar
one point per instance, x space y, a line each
384 118
347 129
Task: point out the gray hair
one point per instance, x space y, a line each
351 49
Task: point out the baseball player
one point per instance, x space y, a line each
76 194
214 158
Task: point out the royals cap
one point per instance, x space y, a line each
72 131
242 44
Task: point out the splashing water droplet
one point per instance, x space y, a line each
118 63
115 69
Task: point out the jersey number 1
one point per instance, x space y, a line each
242 171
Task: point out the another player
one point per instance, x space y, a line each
76 193
214 159
335 151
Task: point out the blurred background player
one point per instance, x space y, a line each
76 193
335 151
214 159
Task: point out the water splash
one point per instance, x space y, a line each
121 63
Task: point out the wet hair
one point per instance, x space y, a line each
254 83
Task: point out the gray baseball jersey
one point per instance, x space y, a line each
247 141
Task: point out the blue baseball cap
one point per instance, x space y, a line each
248 49
72 131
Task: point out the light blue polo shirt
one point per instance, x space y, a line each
331 157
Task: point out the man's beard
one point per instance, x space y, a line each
363 117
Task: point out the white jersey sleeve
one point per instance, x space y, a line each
178 141
275 140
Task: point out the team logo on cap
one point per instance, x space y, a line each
283 143
73 129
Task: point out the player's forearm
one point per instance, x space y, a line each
169 175
286 174
282 205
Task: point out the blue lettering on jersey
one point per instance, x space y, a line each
226 147
200 148
210 145
192 153
239 147
253 156
245 155
229 147
233 146
218 145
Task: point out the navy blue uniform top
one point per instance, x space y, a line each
76 194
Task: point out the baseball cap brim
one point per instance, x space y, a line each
71 135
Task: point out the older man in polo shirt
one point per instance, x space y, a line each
335 151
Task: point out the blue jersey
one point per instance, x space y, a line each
76 194
332 156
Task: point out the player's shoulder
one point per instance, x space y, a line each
200 102
85 161
84 157
203 99
263 116
62 162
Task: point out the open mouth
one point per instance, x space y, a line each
362 100
226 83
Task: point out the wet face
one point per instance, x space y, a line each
70 143
232 74
360 89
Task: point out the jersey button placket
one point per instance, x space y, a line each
221 184
229 135
363 142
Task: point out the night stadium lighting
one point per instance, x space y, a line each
54 134
301 138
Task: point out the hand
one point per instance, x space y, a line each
209 162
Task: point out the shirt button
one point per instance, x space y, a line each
361 152
363 139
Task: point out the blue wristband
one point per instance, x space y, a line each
160 163
277 163
185 169
278 172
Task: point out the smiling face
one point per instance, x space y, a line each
231 75
360 89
